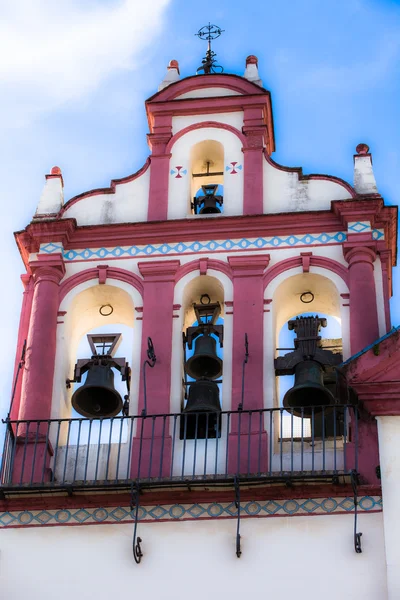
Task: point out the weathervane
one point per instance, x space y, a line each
209 32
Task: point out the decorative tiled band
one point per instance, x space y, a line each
176 512
359 226
208 247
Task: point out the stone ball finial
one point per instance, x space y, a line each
173 64
362 149
252 60
55 171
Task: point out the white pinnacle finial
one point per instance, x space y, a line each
171 76
251 72
52 197
364 178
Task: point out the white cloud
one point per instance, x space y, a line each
57 52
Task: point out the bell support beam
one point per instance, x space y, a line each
247 444
155 445
33 448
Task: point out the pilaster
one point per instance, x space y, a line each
248 315
154 445
255 131
361 255
159 168
33 448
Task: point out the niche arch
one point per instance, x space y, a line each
80 315
282 298
211 137
188 290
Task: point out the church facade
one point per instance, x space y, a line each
149 410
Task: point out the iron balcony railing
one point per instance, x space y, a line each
181 448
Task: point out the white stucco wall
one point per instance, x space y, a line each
285 192
389 436
208 93
129 204
235 119
291 557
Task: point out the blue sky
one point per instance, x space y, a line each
74 77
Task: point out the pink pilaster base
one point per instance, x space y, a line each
155 457
158 299
31 461
248 318
248 453
368 452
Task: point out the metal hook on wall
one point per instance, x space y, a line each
151 361
357 535
136 548
237 504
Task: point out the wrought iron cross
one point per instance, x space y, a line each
209 32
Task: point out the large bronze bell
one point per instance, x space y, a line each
204 362
308 390
203 397
97 397
202 412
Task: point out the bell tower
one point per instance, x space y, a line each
206 339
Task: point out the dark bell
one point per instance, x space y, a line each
204 362
209 206
308 390
97 397
203 397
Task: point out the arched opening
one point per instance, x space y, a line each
207 177
300 385
204 450
202 365
95 314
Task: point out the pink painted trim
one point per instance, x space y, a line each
112 273
316 261
157 209
196 82
385 266
312 176
101 191
22 336
194 265
202 125
159 270
102 273
305 258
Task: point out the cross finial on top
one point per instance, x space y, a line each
209 32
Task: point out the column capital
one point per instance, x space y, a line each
158 143
356 253
249 265
255 139
159 270
47 268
